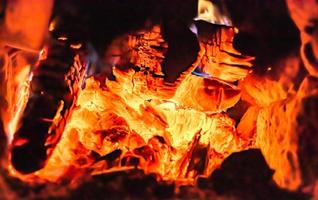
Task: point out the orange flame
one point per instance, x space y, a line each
208 11
105 122
15 90
173 130
177 130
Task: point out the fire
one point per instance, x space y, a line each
178 131
20 106
138 120
15 90
210 12
162 136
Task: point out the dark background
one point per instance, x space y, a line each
266 30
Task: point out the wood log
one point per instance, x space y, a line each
53 92
287 133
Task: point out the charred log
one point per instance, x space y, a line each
246 175
53 91
286 133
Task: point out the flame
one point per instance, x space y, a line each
76 46
278 120
220 59
20 106
15 90
160 134
52 25
177 130
208 11
62 38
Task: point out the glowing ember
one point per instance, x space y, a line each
160 135
178 131
48 106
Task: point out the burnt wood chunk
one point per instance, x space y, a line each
53 92
246 175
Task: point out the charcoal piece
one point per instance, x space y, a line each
241 170
112 159
50 93
246 175
130 160
198 161
112 156
145 152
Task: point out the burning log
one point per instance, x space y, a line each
207 94
21 39
15 79
219 59
286 131
261 91
54 88
156 136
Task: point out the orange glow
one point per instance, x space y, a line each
76 46
62 38
15 90
52 25
209 12
175 130
26 23
43 54
20 105
221 60
106 121
273 125
178 130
